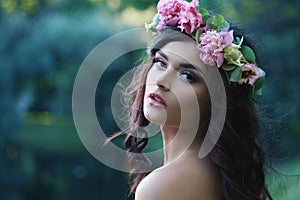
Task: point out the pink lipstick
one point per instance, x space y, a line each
156 100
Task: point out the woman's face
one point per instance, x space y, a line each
173 83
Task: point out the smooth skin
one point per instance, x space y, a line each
176 75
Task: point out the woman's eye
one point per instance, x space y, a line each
159 63
189 76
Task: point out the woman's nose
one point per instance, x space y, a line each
163 80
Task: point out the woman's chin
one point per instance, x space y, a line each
155 116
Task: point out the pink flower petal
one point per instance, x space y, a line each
195 3
173 21
160 26
227 37
220 59
255 73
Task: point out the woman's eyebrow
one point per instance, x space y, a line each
162 54
188 65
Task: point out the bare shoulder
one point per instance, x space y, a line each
183 180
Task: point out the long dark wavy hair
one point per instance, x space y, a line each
238 153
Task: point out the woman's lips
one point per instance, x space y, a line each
156 100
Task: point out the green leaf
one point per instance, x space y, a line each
209 20
219 19
223 25
211 26
258 92
227 77
198 33
204 18
156 17
252 90
259 83
248 53
203 12
236 75
228 67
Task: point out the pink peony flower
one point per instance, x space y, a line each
212 46
190 19
169 12
250 73
179 13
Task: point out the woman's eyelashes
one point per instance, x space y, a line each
188 76
183 73
159 63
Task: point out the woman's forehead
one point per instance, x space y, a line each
183 51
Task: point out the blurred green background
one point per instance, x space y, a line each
42 45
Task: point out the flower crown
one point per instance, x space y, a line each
215 42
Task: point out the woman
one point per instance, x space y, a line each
187 43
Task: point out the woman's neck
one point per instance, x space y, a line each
178 142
